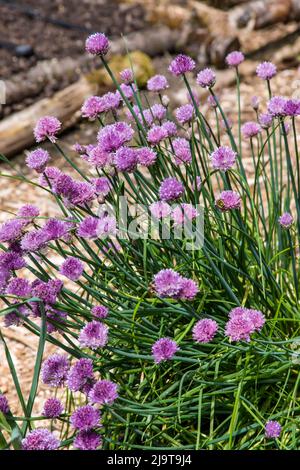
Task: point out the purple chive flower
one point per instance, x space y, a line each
85 418
212 101
265 120
243 322
157 83
181 64
88 227
126 159
292 108
127 90
184 113
56 316
272 430
40 439
87 440
4 407
146 156
223 158
92 107
53 407
11 230
100 311
80 374
47 291
266 70
55 229
72 268
184 212
49 176
255 100
158 111
103 392
93 335
206 78
235 58
164 349
37 160
11 261
170 128
205 330
189 289
107 226
28 211
156 134
170 189
99 158
4 278
55 370
110 101
276 106
228 200
97 44
19 287
102 185
286 220
167 283
113 136
250 129
126 76
182 151
47 127
34 240
160 209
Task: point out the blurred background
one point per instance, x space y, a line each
45 71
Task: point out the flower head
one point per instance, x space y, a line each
223 158
206 78
167 283
156 134
160 209
276 106
113 136
170 128
97 44
92 107
272 430
55 370
93 335
72 268
87 440
85 418
146 156
157 83
103 392
243 322
47 127
53 407
37 160
126 159
235 58
80 374
11 230
170 189
182 151
228 200
182 64
250 129
158 111
40 439
126 76
205 330
184 113
100 311
286 220
265 120
164 349
29 211
4 407
88 227
184 212
266 70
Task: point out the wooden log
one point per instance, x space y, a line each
260 13
16 131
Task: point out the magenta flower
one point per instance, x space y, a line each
156 134
47 127
170 189
28 211
146 156
189 289
286 220
266 70
99 158
157 83
126 76
223 158
11 230
158 111
19 287
276 106
97 44
242 323
164 349
255 100
53 407
235 58
160 209
4 407
205 330
265 120
100 311
272 430
11 261
93 335
72 268
126 159
113 136
182 64
170 128
292 107
85 418
87 440
37 160
206 78
250 129
55 370
228 200
184 212
182 151
88 227
40 439
92 107
167 283
103 392
102 185
80 375
184 113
